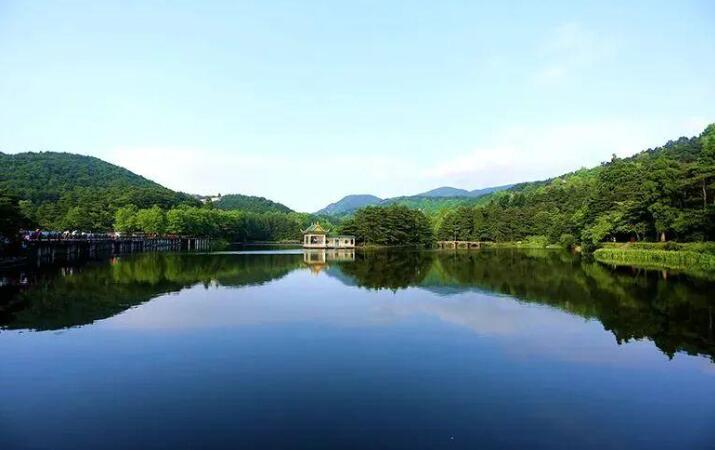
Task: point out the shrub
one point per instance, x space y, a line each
536 241
567 241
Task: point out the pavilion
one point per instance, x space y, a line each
315 236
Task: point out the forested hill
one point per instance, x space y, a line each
349 204
662 193
446 191
431 202
64 190
250 203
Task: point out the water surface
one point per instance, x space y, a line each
265 349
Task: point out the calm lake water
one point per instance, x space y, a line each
267 350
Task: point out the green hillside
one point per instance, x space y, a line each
432 203
250 203
69 191
663 193
348 204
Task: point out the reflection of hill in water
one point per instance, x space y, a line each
98 291
675 312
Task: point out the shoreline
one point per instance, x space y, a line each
683 260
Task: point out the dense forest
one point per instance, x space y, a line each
235 226
62 191
11 220
250 203
429 204
390 225
665 193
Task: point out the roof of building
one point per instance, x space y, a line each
315 228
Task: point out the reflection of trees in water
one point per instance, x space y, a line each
385 269
98 291
676 312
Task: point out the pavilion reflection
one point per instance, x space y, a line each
318 259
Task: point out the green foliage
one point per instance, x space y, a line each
391 225
662 193
697 247
66 191
124 219
567 241
234 226
429 203
536 241
432 206
672 259
107 288
249 203
12 219
151 220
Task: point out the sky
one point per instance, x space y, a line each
304 102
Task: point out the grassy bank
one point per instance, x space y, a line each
522 244
688 256
696 247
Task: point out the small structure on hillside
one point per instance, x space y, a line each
315 236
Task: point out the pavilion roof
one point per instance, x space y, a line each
315 228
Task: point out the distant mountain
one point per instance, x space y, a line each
445 191
250 203
489 190
349 204
430 201
431 205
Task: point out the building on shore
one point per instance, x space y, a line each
315 236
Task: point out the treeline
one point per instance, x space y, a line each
659 194
250 203
391 225
235 226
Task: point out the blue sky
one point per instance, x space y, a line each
304 102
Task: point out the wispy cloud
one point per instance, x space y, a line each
524 153
307 181
313 179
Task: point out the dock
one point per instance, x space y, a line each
51 250
454 245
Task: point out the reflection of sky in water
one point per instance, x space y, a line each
522 329
306 361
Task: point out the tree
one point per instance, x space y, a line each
665 217
125 220
77 218
151 220
12 220
391 225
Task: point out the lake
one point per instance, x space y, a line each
339 350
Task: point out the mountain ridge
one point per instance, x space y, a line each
251 203
348 204
432 200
